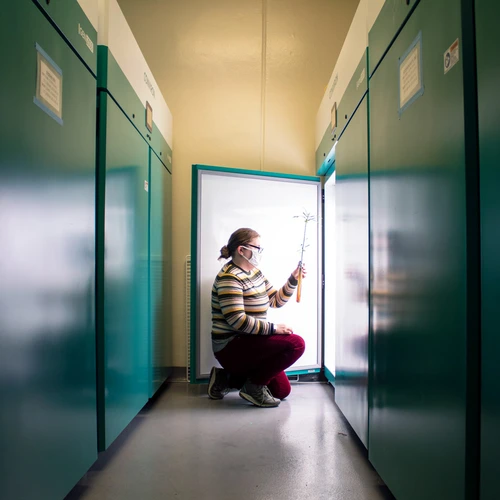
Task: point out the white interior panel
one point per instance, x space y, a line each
228 201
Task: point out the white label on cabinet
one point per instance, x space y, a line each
451 56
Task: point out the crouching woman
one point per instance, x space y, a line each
253 352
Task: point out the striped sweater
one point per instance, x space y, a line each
240 301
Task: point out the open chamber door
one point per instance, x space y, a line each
273 205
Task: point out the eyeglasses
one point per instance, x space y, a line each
259 249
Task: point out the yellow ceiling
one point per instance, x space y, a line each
208 59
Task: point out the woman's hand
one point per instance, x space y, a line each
282 330
295 273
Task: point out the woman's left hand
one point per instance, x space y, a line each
300 267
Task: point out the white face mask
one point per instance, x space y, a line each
255 259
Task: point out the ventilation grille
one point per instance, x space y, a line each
188 317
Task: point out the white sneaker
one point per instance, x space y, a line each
259 395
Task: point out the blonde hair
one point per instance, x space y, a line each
241 236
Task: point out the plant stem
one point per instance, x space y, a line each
303 243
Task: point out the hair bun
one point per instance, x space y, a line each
224 253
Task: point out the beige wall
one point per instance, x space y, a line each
244 80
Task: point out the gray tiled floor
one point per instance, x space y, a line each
187 447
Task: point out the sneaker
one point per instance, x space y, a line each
217 384
259 395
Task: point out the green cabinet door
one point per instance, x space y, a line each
160 273
47 258
488 74
123 280
70 18
417 420
353 94
352 314
389 21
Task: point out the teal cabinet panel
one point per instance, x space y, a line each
161 147
123 329
70 18
111 78
488 77
352 312
47 259
160 273
353 94
417 418
389 21
325 154
325 157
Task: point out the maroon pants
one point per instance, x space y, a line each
262 359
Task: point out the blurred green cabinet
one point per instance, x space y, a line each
47 257
417 417
352 312
488 76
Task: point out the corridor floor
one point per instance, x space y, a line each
184 446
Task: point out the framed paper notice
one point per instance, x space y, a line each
411 85
49 85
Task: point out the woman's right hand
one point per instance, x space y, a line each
282 330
